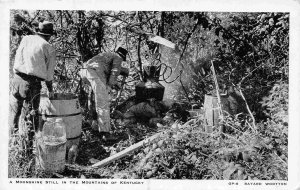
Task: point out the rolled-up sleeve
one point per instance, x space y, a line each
51 63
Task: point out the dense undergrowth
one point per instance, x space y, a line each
185 151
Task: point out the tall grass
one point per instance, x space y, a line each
19 164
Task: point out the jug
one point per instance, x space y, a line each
51 144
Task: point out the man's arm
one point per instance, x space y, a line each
50 72
115 71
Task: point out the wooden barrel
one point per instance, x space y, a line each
65 106
212 110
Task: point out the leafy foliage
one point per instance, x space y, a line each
253 49
185 151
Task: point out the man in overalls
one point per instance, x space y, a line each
102 71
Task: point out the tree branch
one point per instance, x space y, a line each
247 106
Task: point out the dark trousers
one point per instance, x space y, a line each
24 104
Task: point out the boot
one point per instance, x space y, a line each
106 136
72 154
94 125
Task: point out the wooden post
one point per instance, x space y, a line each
217 89
221 129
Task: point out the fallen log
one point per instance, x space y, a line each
125 151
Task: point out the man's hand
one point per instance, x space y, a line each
124 71
116 86
111 82
51 94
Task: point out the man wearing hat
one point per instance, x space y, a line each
34 63
102 71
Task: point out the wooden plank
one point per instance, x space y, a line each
163 41
125 152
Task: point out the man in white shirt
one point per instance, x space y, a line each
34 62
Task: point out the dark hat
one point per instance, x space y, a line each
19 19
45 28
122 52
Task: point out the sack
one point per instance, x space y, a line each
142 112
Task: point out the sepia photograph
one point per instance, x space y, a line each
98 95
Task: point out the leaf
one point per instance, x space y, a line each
146 150
194 159
230 170
158 150
82 176
240 175
171 171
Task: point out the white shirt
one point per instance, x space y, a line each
35 56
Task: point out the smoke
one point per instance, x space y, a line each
170 72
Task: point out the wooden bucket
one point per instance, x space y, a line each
65 106
212 110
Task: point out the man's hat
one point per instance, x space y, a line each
45 28
122 52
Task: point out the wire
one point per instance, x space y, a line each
179 76
165 70
166 67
